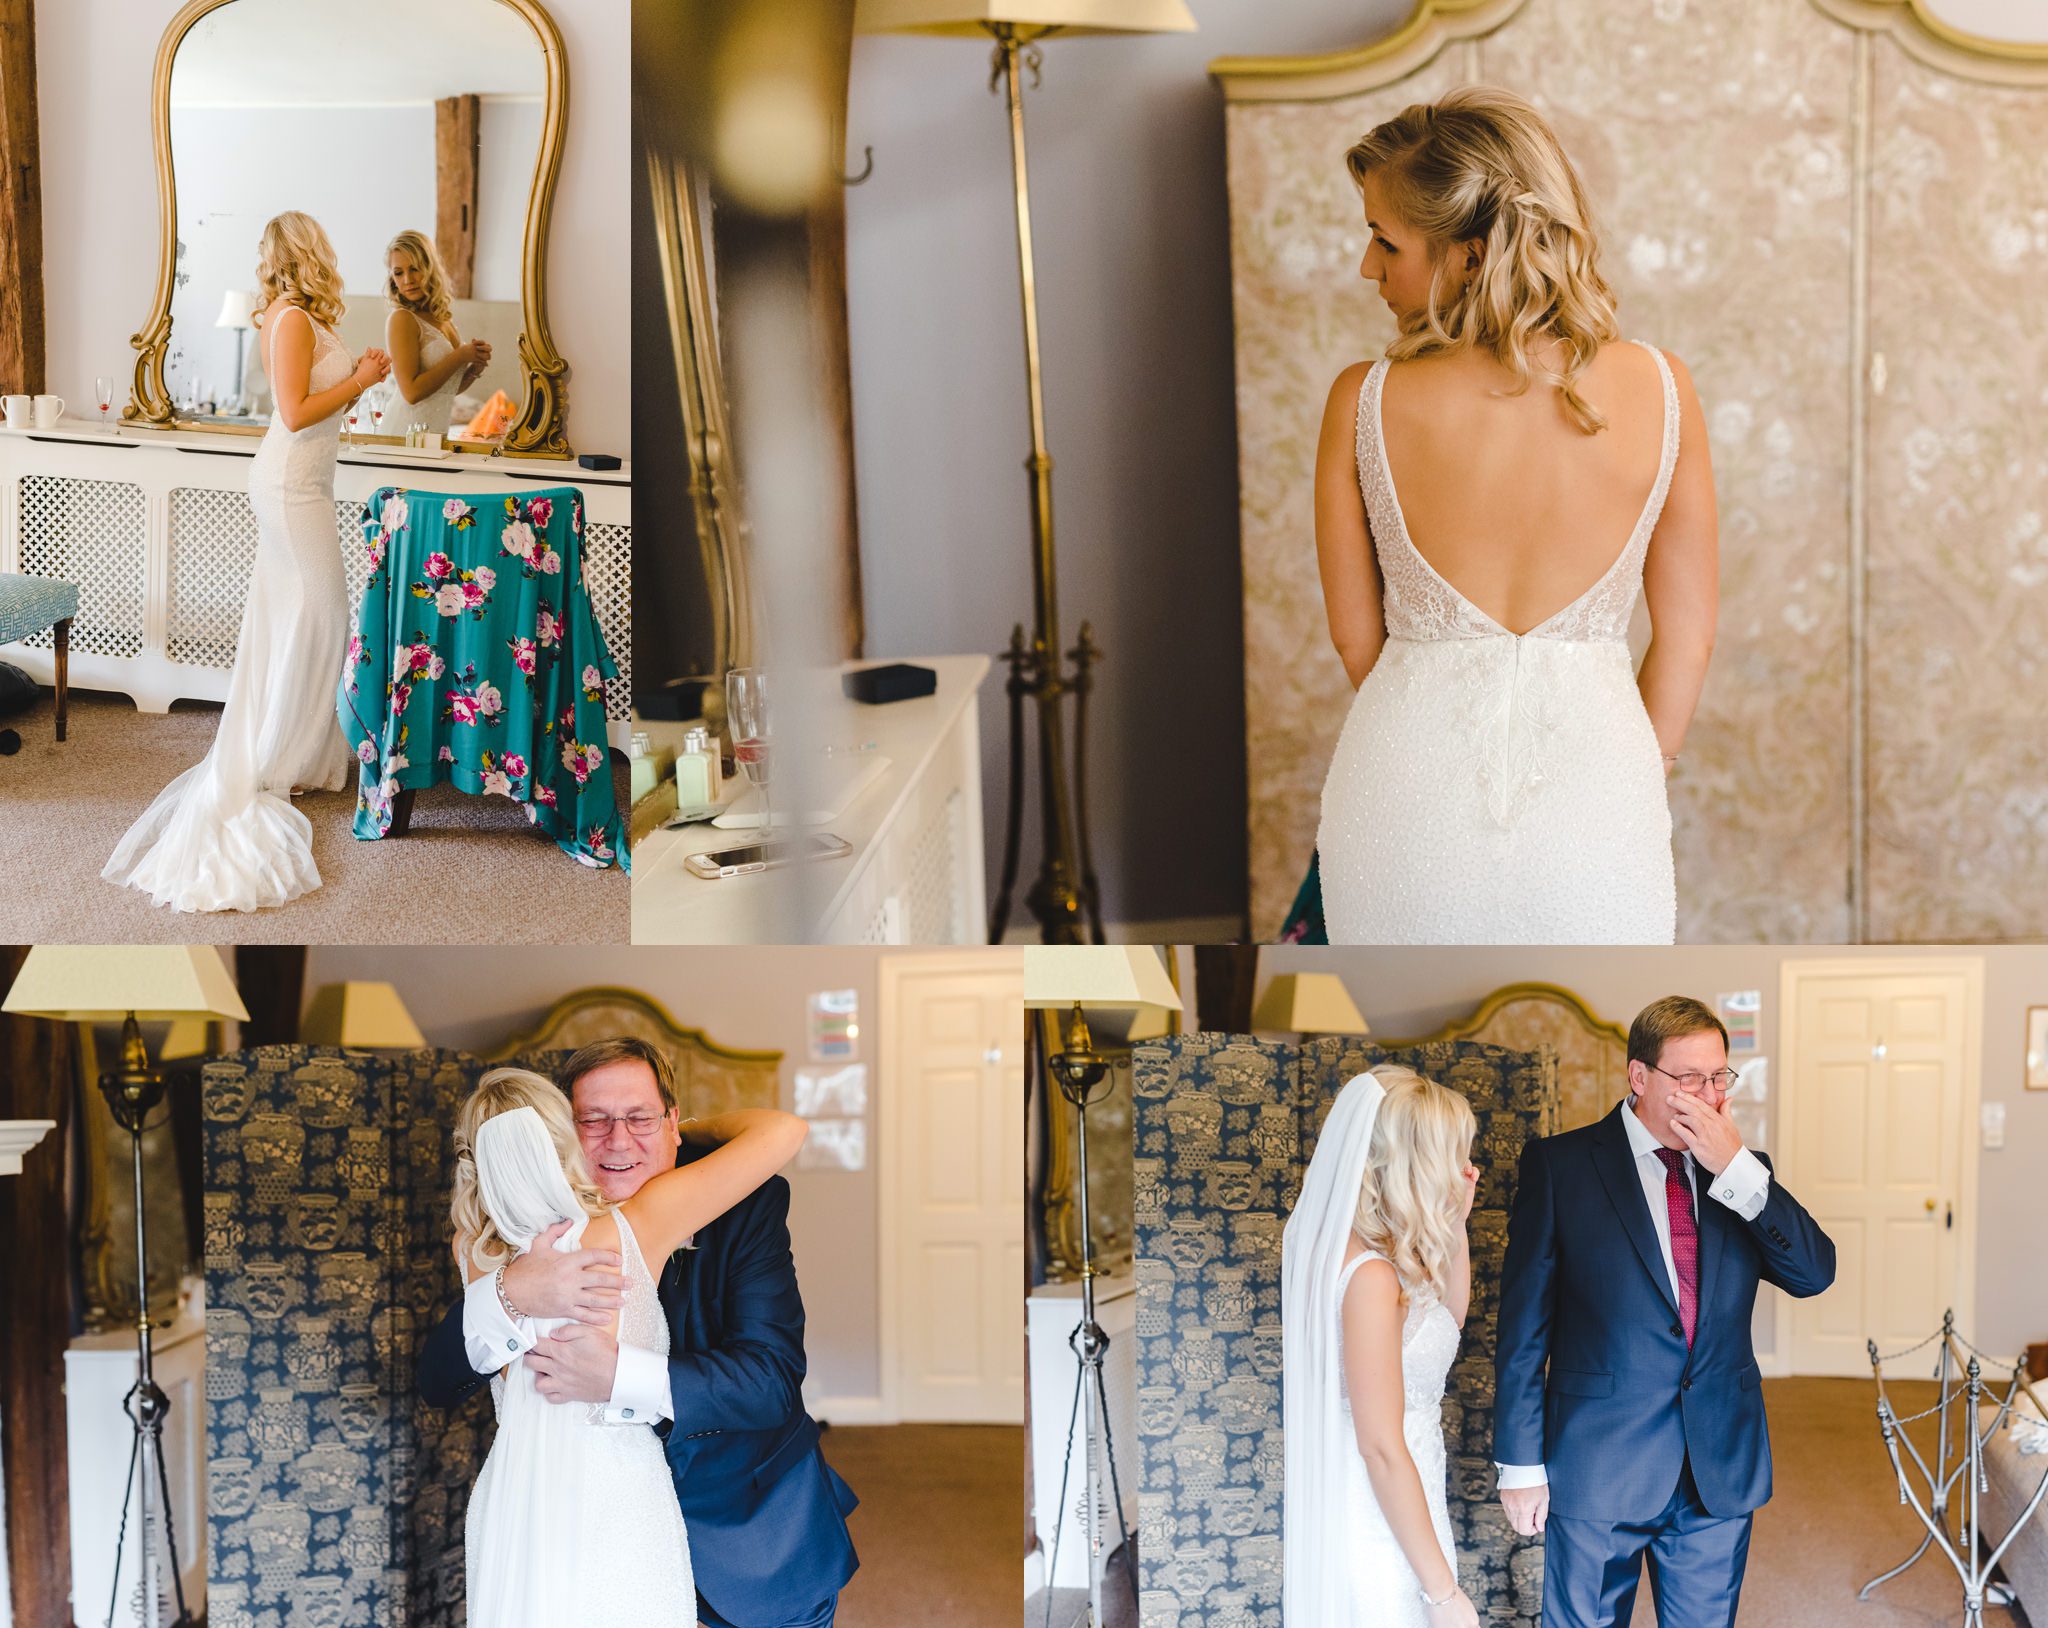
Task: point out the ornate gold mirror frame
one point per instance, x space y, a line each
541 428
682 238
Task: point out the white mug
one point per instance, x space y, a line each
17 410
48 410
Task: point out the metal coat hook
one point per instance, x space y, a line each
867 169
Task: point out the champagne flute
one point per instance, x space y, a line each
747 716
377 412
103 393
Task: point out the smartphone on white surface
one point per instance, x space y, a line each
749 857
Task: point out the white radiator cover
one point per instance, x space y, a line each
156 531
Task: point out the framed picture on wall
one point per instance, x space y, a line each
2037 1048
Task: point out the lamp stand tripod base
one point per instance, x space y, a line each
1080 1073
132 1090
1063 898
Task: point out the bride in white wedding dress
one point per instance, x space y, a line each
224 835
1375 1280
1492 498
574 1517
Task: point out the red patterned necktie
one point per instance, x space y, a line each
1685 1238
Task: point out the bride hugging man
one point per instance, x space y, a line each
633 1305
1628 1415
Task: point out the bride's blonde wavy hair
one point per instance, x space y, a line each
435 302
500 1091
1408 1204
297 261
1483 163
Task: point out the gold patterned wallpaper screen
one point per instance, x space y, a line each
1840 223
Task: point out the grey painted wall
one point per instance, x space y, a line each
1417 991
1131 233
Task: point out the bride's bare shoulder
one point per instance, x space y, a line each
603 1231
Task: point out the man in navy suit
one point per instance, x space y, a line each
766 1513
1628 1415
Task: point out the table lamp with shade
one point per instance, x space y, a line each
1081 978
360 1017
238 308
1064 896
1309 1003
126 982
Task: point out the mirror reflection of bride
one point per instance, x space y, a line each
431 363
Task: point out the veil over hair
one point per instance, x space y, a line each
1311 1259
521 1181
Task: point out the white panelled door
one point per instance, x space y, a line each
955 1184
1876 1116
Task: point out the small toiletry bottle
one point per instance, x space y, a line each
696 771
641 757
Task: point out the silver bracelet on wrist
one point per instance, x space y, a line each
498 1281
1446 1600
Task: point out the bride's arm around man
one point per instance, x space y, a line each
1628 1411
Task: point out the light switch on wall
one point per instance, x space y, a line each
1991 1116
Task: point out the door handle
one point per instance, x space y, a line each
1930 1206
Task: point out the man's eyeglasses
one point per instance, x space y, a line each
640 1124
1722 1079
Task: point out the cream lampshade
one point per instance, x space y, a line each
238 309
85 983
1309 1003
1114 977
972 18
362 1016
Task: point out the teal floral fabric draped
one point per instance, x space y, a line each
1224 1129
477 660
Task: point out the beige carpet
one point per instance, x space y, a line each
940 1510
1834 1520
472 871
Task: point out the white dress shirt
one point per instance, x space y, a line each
490 1339
1743 1187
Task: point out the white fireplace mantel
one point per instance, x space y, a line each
17 1136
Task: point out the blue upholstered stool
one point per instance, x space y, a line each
30 604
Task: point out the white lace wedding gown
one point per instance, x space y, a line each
574 1519
1383 1590
1491 787
224 835
436 411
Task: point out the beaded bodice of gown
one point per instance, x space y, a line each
574 1517
1489 786
1384 1589
436 411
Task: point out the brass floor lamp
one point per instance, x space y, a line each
1063 897
124 983
1127 978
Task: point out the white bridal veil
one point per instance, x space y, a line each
1312 1257
540 1490
520 1179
